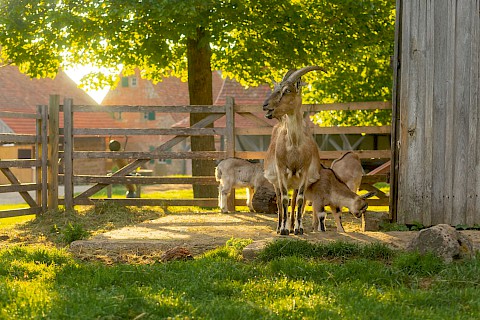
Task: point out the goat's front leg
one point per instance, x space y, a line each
222 198
282 205
298 228
293 206
250 192
337 214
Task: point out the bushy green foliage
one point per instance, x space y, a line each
73 232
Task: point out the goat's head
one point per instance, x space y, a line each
286 97
360 204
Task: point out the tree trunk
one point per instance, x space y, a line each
200 93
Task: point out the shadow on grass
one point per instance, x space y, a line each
60 227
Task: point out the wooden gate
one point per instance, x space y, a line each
38 162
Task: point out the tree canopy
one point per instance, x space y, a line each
251 41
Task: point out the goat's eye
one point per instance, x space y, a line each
287 91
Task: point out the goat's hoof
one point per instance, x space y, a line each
298 231
284 232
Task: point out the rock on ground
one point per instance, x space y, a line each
264 200
444 241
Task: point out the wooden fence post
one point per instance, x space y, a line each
53 139
230 143
41 152
68 152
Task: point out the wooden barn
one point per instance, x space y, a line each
436 131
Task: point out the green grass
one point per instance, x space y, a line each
338 282
7 223
291 279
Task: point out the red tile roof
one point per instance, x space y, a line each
19 93
172 91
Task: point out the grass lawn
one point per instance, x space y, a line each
291 279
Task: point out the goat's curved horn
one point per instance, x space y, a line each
368 195
294 76
287 75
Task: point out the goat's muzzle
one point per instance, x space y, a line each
269 114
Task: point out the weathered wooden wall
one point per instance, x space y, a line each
438 142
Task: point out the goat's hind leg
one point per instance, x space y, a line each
319 216
337 214
279 209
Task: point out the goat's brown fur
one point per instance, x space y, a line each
348 168
292 158
329 190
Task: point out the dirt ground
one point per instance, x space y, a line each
200 232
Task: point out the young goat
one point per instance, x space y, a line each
235 173
348 169
329 190
292 158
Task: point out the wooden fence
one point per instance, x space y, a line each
39 162
230 111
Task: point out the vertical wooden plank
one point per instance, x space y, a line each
44 157
441 72
230 127
53 139
395 136
38 154
461 121
402 201
477 105
230 145
414 120
449 113
472 156
68 152
428 115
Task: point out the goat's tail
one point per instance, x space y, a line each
218 174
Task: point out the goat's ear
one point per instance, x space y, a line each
368 195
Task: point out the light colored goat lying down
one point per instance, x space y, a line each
329 190
239 173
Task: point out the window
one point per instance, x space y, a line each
24 154
149 115
164 161
125 82
133 81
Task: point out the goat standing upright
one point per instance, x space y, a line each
234 173
292 158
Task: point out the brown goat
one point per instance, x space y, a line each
329 190
292 158
348 168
